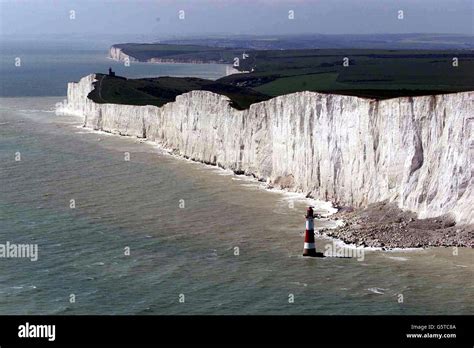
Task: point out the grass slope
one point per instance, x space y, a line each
180 53
376 73
162 90
371 73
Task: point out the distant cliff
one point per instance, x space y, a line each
116 53
417 152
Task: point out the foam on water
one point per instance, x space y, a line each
136 204
379 291
398 258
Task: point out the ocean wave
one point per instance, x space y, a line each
379 291
32 111
398 258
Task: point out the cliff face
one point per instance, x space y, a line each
417 152
117 54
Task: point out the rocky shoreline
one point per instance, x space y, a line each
386 226
410 151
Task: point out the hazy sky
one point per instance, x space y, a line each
161 17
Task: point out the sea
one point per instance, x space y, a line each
123 227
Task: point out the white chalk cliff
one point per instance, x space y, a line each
417 152
116 53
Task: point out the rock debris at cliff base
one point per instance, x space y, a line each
387 226
415 152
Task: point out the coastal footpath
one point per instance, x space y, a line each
415 154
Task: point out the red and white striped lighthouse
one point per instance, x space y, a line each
309 246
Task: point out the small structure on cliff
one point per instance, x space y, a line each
111 73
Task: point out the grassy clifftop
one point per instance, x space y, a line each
376 74
162 90
369 73
179 53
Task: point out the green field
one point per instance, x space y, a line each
377 74
162 90
393 73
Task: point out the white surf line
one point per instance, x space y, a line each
85 130
341 244
248 178
288 194
36 111
398 258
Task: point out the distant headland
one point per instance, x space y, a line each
367 73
